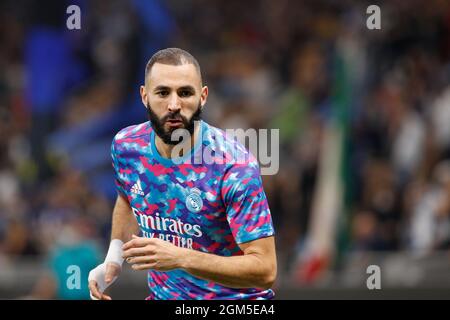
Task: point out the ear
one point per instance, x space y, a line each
204 96
143 96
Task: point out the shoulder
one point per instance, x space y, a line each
135 131
227 142
133 136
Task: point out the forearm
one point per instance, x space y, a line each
124 224
245 271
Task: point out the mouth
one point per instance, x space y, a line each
174 123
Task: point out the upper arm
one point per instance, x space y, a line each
122 203
124 223
247 209
116 164
122 208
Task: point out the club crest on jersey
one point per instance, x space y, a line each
194 202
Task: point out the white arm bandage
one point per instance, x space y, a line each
115 252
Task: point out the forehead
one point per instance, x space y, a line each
173 76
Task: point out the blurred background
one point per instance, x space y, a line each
364 119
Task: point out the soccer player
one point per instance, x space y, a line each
206 228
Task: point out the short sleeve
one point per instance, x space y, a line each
247 210
116 167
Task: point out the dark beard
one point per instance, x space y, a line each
166 135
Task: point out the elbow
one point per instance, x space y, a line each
269 277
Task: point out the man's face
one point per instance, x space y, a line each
173 96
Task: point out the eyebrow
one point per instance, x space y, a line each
189 88
158 88
161 87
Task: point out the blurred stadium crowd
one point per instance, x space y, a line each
269 64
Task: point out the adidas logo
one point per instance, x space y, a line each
137 189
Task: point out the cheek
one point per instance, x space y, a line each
157 105
189 107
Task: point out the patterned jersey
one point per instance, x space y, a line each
210 200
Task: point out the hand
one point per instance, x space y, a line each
101 278
153 253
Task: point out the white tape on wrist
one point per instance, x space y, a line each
115 252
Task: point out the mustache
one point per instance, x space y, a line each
174 116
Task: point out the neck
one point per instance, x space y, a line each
165 150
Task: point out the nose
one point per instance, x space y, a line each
174 103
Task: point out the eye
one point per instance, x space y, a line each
185 93
163 93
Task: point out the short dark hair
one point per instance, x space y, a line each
174 57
